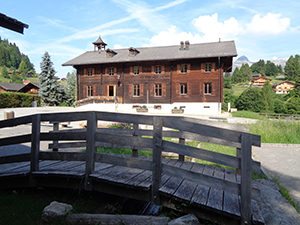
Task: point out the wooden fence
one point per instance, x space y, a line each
183 129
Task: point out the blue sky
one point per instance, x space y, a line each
261 29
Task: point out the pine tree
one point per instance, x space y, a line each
71 88
292 68
50 91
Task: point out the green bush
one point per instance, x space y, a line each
251 100
14 99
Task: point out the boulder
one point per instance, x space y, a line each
56 211
189 219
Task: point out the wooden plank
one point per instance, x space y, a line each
123 160
19 139
35 142
187 166
101 166
207 130
257 217
15 158
185 191
13 166
198 168
55 142
135 152
170 187
64 116
180 156
246 161
125 118
135 181
60 136
200 195
128 174
215 198
71 156
156 158
16 121
135 141
208 170
90 144
76 144
231 204
201 178
201 138
201 154
230 176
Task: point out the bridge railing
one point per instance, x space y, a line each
153 139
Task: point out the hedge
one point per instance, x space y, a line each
15 99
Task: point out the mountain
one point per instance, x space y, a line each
243 60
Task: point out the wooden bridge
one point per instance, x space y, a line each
220 194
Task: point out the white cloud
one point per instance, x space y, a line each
172 36
209 28
212 28
269 24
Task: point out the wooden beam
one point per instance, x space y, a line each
156 158
246 161
90 145
15 140
35 142
15 158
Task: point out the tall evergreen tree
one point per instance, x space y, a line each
52 94
268 97
258 67
71 88
242 75
271 69
292 68
4 72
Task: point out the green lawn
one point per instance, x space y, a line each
239 88
281 131
248 114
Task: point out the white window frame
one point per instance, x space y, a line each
136 70
208 67
158 90
111 71
184 68
183 88
136 90
90 91
158 69
207 88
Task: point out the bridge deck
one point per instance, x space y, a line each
136 183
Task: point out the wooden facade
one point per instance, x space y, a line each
151 80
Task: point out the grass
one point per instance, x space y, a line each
248 114
281 131
285 193
238 89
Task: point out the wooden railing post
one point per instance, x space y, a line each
135 152
35 142
181 157
90 145
156 157
246 160
55 142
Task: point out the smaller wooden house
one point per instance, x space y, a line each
259 81
283 87
26 87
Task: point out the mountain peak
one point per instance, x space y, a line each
243 59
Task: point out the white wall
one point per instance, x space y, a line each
209 108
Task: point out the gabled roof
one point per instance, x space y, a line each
12 24
17 87
99 41
204 50
11 86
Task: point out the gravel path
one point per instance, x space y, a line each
283 162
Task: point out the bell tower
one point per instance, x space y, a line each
99 44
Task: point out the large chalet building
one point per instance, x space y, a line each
185 76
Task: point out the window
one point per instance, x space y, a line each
136 70
183 89
111 71
90 71
183 68
136 90
111 90
207 88
89 91
157 69
157 90
208 67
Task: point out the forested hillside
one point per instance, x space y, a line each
14 65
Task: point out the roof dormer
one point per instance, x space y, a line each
133 51
110 52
